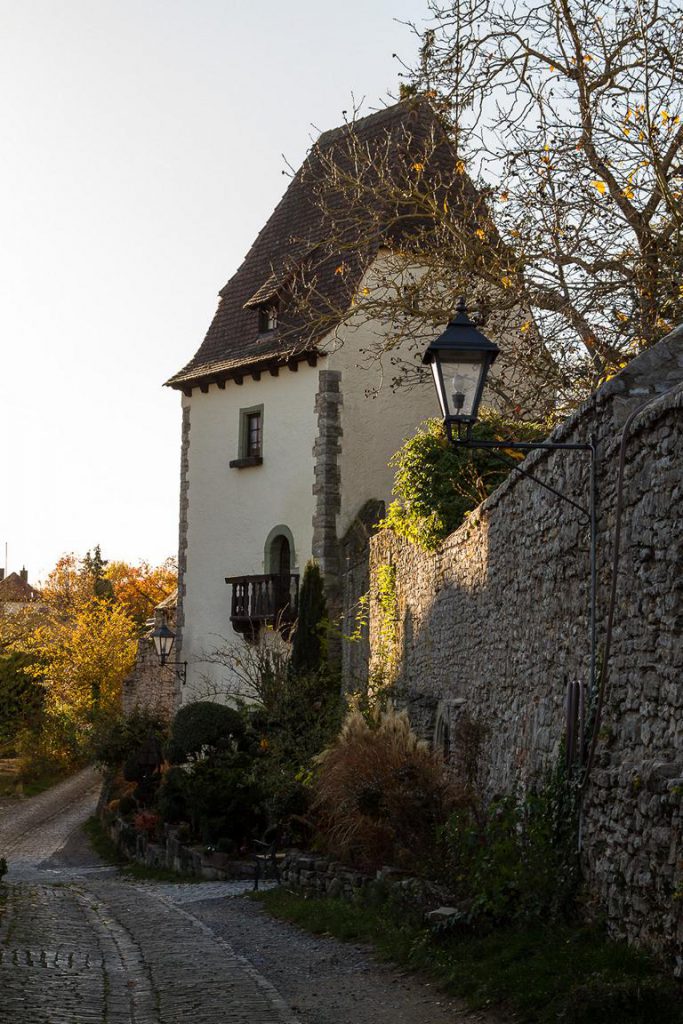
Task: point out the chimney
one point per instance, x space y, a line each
24 574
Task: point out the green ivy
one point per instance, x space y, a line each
386 654
436 484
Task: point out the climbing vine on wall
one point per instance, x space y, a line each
386 653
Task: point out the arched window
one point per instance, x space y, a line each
278 556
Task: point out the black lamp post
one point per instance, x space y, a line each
460 360
164 639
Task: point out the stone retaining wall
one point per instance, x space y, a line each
315 875
493 625
173 855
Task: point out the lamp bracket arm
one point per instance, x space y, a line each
179 666
553 490
524 446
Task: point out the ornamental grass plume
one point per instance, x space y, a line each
381 794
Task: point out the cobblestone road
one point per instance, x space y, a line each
80 944
32 830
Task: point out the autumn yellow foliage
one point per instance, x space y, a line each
139 588
81 643
83 659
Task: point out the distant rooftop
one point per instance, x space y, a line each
16 588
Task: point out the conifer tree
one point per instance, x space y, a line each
309 643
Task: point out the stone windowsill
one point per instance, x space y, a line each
251 460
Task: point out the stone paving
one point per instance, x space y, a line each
182 893
33 829
79 945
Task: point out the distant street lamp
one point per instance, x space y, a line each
460 360
164 639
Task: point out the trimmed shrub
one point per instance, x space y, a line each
204 726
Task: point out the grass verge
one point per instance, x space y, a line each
107 851
543 975
16 785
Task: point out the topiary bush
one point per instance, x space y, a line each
204 727
218 789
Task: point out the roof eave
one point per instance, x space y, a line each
203 378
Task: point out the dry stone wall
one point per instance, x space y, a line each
493 625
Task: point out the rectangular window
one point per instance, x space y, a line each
267 319
250 445
253 434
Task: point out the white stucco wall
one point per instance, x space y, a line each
373 426
232 511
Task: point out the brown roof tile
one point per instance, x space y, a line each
293 235
14 588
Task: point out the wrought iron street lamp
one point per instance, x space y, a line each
460 360
164 639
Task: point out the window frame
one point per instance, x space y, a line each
244 459
268 318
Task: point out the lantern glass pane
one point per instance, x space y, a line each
439 384
163 641
462 374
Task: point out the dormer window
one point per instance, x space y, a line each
267 319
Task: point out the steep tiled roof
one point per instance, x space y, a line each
292 238
15 589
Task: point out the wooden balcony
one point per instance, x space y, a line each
257 601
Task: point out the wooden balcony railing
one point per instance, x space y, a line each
263 601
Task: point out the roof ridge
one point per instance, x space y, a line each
368 120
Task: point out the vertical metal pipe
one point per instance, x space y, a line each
593 569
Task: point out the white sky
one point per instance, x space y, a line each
141 154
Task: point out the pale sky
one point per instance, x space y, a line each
142 146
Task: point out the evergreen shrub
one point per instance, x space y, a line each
204 726
437 484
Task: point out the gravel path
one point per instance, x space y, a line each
79 944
